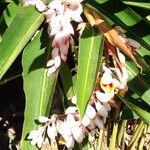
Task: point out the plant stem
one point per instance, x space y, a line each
143 137
113 137
121 132
136 132
101 134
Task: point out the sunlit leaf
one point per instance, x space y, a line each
38 87
17 35
137 3
10 12
90 53
124 16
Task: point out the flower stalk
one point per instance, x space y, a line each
112 145
136 132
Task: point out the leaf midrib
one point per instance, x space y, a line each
88 64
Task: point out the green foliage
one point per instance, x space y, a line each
21 30
17 35
39 93
90 53
144 4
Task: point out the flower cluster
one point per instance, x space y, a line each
59 14
69 127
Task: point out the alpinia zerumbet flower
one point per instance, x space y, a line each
36 137
59 14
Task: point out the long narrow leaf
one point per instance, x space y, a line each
122 15
66 79
38 87
138 83
10 12
90 53
144 5
17 35
144 115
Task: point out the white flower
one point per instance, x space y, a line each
107 106
101 109
74 11
36 137
29 2
57 61
104 97
71 109
77 132
92 125
50 63
63 128
53 65
90 112
85 120
52 131
57 5
106 81
40 6
99 123
51 70
70 121
43 119
69 141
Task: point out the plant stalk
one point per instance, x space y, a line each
136 132
121 132
101 134
113 137
143 137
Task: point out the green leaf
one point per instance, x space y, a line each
144 115
38 88
124 16
10 12
17 35
90 53
66 79
128 114
138 83
137 3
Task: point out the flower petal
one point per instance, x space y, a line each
101 109
69 141
51 70
40 6
99 123
50 63
104 97
85 120
107 106
57 61
77 134
43 119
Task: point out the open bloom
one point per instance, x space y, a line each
36 137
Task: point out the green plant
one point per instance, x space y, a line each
79 69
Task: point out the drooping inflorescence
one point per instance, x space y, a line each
69 128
